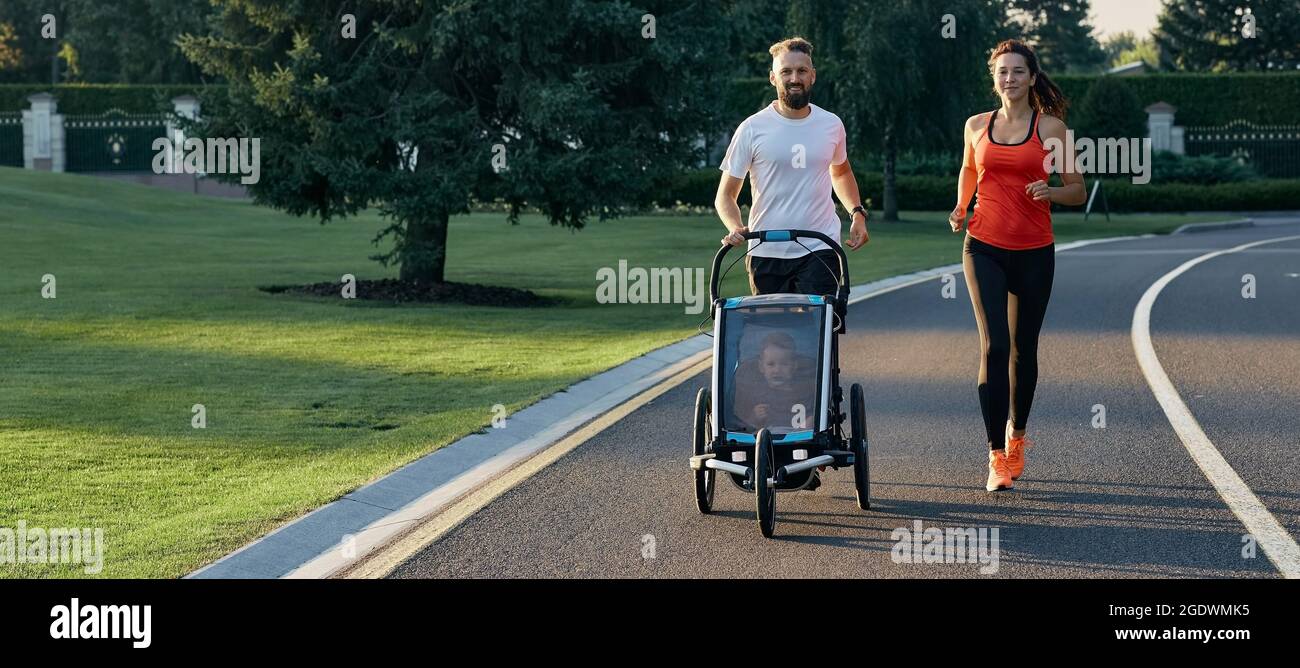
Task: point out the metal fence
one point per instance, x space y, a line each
1273 150
11 139
111 142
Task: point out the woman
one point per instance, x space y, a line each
1009 254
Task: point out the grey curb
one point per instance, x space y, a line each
1192 228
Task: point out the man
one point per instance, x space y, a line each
794 153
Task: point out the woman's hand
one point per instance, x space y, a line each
736 237
957 218
1037 190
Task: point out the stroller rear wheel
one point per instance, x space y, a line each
705 478
858 444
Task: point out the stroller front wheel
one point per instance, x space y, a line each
764 495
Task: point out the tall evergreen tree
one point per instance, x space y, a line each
568 106
1230 35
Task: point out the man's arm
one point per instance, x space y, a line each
846 188
735 165
728 210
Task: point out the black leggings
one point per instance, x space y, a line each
1009 290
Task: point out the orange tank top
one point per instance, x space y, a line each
1005 215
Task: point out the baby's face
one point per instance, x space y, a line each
777 365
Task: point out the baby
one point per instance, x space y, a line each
770 399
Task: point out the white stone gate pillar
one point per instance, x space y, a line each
43 137
1165 136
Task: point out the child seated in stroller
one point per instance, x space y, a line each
777 389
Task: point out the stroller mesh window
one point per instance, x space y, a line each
769 367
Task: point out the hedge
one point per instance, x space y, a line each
1259 195
1201 99
1209 99
98 98
939 193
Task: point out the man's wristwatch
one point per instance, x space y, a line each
856 209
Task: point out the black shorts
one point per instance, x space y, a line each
817 273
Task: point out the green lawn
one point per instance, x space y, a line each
157 309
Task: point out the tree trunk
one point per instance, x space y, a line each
424 248
891 192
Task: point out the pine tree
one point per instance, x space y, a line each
1230 35
572 107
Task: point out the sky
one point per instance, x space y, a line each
1114 16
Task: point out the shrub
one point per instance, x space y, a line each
1110 109
1167 167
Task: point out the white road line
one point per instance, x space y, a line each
1178 251
1269 534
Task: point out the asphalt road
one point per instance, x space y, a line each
1121 501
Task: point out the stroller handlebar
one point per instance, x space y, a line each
786 235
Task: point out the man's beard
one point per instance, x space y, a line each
797 100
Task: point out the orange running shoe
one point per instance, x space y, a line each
1016 448
999 473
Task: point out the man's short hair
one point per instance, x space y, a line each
793 44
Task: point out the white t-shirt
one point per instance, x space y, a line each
788 162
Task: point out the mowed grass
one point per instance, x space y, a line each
306 399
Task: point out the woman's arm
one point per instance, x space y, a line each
967 177
1072 192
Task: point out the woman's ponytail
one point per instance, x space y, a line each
1047 97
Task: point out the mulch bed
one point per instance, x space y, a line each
396 291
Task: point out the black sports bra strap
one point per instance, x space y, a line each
1033 129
